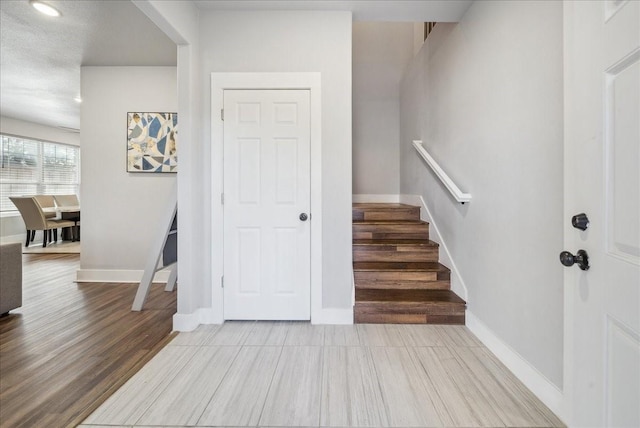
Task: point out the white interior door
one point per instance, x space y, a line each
602 164
266 205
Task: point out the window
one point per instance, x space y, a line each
33 167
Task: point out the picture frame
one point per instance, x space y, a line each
151 142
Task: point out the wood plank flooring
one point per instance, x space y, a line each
71 345
294 374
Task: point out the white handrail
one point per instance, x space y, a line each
448 183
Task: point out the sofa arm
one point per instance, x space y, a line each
10 277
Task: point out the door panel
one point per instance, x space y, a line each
602 164
266 187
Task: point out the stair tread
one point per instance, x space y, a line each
388 222
408 296
396 242
400 266
381 206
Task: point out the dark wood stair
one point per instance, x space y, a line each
397 274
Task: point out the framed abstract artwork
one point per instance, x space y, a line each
151 142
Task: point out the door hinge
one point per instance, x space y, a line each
222 114
222 281
222 198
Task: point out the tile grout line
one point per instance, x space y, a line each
172 378
221 380
273 375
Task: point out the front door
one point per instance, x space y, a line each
266 205
602 180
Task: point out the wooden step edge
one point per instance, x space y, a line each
410 306
420 242
388 222
437 284
400 266
382 205
387 296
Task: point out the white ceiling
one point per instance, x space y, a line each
40 56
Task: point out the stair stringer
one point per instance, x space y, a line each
458 285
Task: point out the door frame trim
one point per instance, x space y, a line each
219 83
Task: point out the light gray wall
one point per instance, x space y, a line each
121 212
485 96
11 226
381 53
288 41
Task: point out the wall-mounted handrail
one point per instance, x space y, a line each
458 194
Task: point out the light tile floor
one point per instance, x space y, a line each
293 374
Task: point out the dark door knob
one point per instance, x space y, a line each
581 259
580 221
303 217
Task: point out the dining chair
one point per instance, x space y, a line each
66 200
34 219
47 201
70 201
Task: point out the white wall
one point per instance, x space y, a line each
179 20
485 96
121 211
288 41
11 226
381 53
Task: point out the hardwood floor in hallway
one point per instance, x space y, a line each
71 345
294 374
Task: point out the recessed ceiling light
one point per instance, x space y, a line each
44 8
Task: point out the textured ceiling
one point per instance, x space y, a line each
40 56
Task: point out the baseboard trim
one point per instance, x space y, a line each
189 322
364 198
117 275
457 282
544 389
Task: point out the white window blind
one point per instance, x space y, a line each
32 167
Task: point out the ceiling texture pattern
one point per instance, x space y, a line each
41 56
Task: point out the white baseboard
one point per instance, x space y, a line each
457 282
117 275
189 322
544 389
362 198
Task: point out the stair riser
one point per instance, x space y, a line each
368 255
391 231
392 276
432 308
383 318
412 214
406 285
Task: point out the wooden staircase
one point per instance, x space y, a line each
397 274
